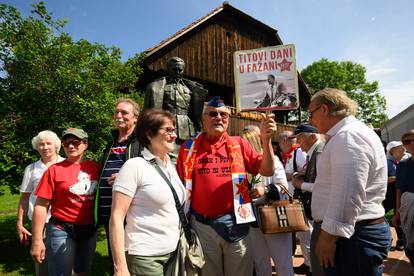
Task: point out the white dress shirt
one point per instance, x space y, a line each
351 180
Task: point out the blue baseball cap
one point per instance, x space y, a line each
304 128
216 101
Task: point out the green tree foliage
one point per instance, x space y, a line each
350 77
50 81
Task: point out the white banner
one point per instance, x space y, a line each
266 79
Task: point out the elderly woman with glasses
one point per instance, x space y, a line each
69 187
144 198
47 144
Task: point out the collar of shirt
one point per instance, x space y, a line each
312 149
214 146
339 125
147 155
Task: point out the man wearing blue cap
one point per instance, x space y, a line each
310 142
213 166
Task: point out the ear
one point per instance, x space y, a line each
325 108
147 134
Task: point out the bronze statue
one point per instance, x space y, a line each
182 97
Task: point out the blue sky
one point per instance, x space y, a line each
375 33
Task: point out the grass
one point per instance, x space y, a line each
15 258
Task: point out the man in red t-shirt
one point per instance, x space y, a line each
213 166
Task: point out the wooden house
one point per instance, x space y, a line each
207 46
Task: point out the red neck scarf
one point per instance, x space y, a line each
286 156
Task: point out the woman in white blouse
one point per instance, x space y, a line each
142 196
47 144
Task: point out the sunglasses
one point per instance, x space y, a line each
74 142
408 141
169 130
214 114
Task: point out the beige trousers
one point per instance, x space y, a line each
223 258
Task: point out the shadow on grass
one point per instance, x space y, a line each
15 258
101 262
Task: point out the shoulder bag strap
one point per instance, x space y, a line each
295 166
179 207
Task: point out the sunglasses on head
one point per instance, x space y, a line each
214 114
74 142
408 141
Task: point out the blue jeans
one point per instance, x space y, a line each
362 254
65 253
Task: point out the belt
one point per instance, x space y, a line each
370 221
363 222
204 219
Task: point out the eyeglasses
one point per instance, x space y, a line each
311 112
74 142
214 114
169 130
408 141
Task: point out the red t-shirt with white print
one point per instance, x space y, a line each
71 189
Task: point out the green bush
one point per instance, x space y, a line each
49 81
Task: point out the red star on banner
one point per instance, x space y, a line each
285 65
242 190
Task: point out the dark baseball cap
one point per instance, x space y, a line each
77 132
304 128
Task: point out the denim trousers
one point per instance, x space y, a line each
65 253
363 253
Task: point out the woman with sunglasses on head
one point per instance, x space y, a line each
144 199
69 187
47 144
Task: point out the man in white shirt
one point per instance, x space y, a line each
352 235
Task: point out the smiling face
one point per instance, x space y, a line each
163 142
46 148
124 116
215 121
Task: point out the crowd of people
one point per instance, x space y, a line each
335 165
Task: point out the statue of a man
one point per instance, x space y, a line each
182 97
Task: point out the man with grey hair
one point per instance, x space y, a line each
213 166
352 237
119 149
309 140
